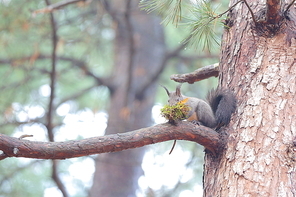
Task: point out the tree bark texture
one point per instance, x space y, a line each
138 56
260 156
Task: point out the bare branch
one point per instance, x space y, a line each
57 179
176 53
197 75
157 73
49 124
251 11
51 108
13 147
228 9
75 95
12 173
25 135
76 62
82 65
58 5
289 6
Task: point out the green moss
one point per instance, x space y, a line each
175 112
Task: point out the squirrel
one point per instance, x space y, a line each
214 113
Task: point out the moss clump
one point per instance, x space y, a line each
175 112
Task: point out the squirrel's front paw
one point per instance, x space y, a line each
196 122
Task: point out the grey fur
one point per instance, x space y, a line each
215 113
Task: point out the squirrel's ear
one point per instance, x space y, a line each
166 90
178 90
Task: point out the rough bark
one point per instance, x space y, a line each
260 67
138 55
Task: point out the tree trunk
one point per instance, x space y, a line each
259 65
138 55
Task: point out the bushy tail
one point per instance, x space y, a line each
223 104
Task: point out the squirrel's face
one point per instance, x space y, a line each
174 98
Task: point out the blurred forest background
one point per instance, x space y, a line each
92 68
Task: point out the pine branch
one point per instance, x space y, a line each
13 147
170 10
203 20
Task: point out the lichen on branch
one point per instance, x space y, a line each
175 112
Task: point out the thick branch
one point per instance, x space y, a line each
197 75
14 147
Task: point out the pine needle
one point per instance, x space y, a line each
203 21
170 10
203 24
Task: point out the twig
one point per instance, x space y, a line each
159 70
210 19
289 6
55 6
110 143
82 65
55 176
253 16
13 172
174 144
25 135
174 53
218 16
75 95
76 62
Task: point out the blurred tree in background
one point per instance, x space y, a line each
69 73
